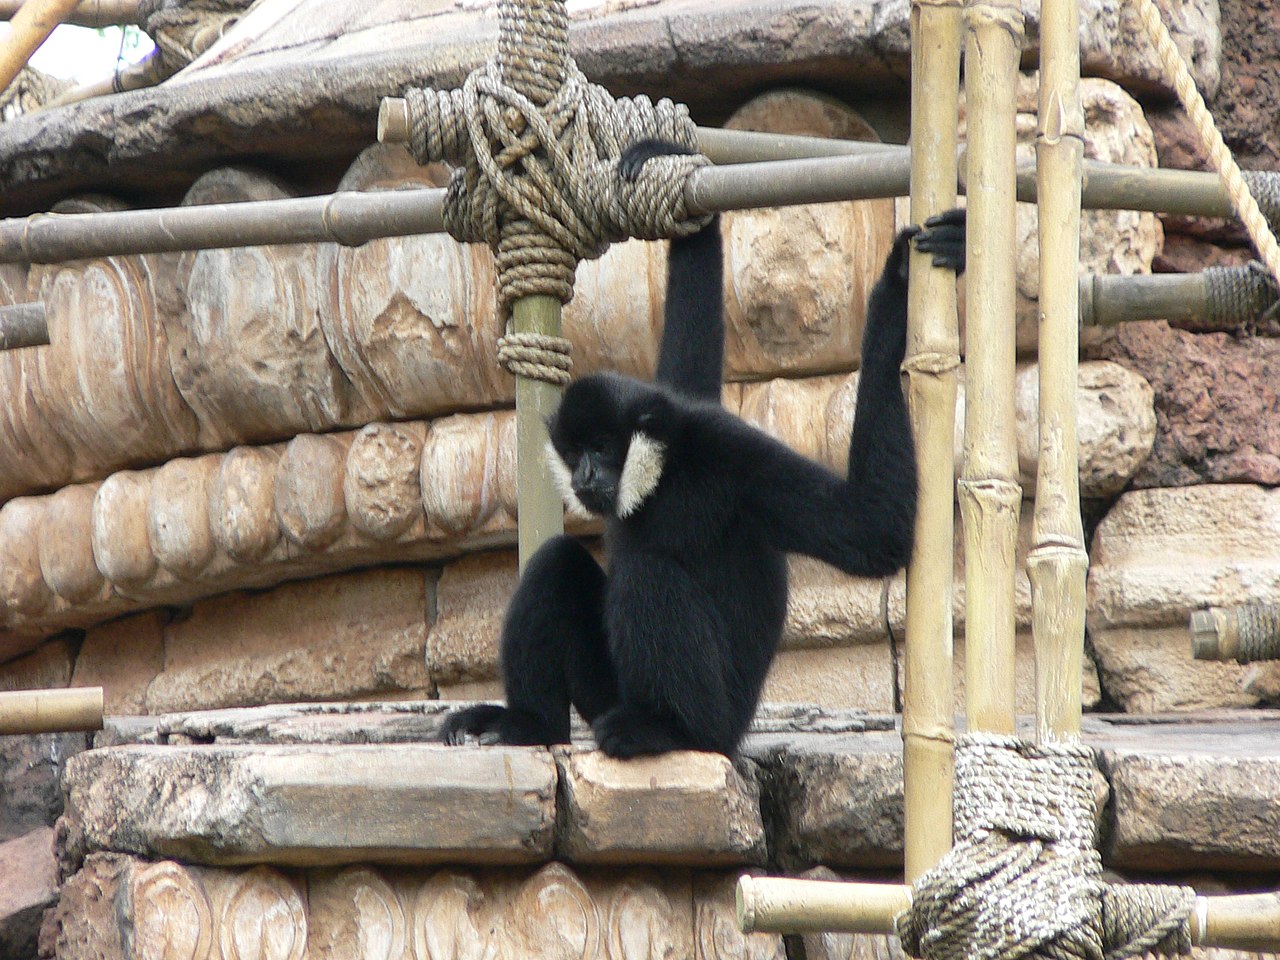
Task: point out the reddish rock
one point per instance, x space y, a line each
1217 402
1184 253
29 886
1247 103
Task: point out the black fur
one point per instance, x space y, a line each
670 649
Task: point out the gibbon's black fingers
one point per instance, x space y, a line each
951 218
947 244
641 152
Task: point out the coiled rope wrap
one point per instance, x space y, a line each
1024 878
1240 295
537 144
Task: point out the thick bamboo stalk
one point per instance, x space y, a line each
1057 562
1221 298
90 13
990 496
30 27
540 512
1246 633
933 358
50 711
23 325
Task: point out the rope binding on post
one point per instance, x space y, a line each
1024 878
534 146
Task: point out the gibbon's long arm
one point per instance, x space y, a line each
863 524
691 360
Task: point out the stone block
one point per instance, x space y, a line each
858 677
314 805
1196 811
1160 554
29 887
835 800
682 807
30 771
325 639
46 667
123 657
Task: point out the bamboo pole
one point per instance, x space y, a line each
147 72
50 711
89 13
1057 563
990 496
23 325
1193 301
933 359
30 27
540 511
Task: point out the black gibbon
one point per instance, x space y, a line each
669 649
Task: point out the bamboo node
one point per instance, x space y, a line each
1009 19
931 364
1024 878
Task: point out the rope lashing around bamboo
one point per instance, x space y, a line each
1246 633
1024 878
536 356
1176 70
536 180
184 29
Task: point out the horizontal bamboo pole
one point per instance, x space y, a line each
1185 299
779 905
1246 633
30 27
147 72
23 325
352 218
90 13
51 711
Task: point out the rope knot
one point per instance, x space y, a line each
1024 879
530 134
536 356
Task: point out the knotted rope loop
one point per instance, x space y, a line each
536 356
1024 879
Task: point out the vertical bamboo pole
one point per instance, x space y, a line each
933 357
1058 562
29 28
989 491
539 511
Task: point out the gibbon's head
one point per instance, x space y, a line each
608 444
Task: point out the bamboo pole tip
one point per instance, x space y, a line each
744 897
393 120
1205 637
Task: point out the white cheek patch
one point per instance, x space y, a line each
641 472
563 480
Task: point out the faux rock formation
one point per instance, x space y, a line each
1160 554
388 492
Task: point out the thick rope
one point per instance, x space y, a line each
30 90
1238 296
1175 68
184 29
536 356
1024 878
537 144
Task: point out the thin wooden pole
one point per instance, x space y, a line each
1057 563
23 325
933 358
89 13
30 27
990 495
147 72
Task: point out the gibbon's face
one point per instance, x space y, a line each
600 456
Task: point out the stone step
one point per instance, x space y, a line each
295 786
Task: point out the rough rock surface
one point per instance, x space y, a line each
30 773
1216 403
28 886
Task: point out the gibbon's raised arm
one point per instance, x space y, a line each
691 359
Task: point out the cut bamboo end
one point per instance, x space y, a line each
1244 922
393 120
778 905
51 711
23 325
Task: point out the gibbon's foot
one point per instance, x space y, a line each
943 236
641 152
627 731
489 723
